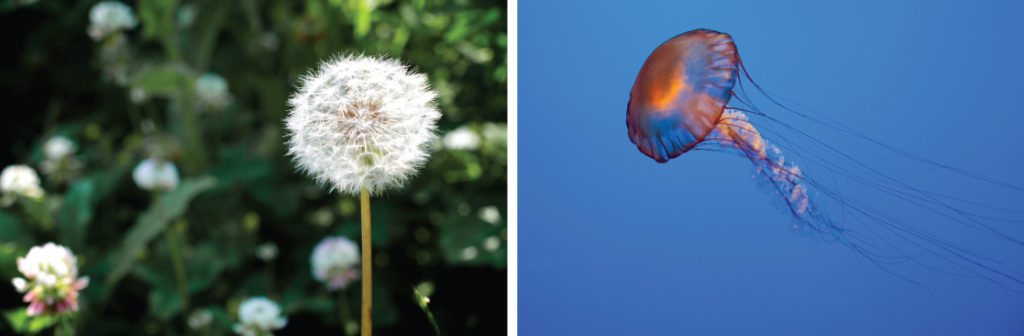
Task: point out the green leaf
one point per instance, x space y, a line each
464 240
164 302
157 19
9 261
23 323
163 81
11 230
153 221
76 213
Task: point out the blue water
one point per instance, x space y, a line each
612 243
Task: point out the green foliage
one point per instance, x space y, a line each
132 95
23 323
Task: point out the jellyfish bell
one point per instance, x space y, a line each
683 99
680 93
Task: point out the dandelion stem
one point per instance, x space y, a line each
367 324
179 266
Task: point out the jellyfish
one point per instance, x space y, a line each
684 100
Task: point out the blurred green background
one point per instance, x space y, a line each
121 100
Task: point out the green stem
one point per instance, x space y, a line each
195 157
270 277
366 321
343 310
179 266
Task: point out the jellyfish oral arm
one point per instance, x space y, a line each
735 130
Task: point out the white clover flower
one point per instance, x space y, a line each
109 17
51 282
266 251
361 122
489 214
212 91
58 147
199 318
20 180
334 261
259 316
156 174
462 138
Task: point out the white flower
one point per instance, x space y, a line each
490 214
462 138
266 251
108 17
156 174
138 95
259 316
51 282
334 260
361 122
20 180
58 147
212 91
199 319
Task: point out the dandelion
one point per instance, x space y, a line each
361 122
156 174
109 17
334 261
212 91
462 138
19 181
362 125
259 316
51 281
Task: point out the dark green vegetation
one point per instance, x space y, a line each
238 188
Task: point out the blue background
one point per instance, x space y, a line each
612 243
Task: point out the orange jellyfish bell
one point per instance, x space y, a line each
680 92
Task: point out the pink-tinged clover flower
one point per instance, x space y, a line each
51 281
259 316
334 261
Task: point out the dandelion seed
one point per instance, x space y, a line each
334 261
361 122
51 281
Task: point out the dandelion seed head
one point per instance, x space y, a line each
361 122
